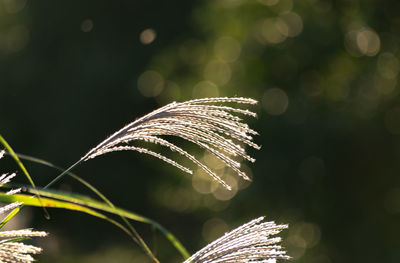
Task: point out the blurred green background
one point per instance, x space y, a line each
325 73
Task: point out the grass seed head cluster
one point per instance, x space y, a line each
11 250
210 124
214 128
251 242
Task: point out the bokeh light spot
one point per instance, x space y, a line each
242 184
350 44
16 39
310 232
213 229
221 193
170 92
388 65
205 89
213 204
87 25
218 72
296 246
227 49
211 161
180 199
282 27
293 22
202 182
275 101
360 41
150 83
14 6
302 235
147 36
368 42
272 31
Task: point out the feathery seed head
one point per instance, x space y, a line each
251 242
11 251
22 233
5 178
9 207
214 128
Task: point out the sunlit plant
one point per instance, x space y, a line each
204 122
11 247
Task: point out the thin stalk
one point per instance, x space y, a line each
136 236
133 233
61 175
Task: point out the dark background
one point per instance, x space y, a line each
325 73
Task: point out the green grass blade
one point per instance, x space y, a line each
76 177
16 239
98 205
47 215
89 202
17 160
134 234
46 202
58 178
21 165
86 201
9 216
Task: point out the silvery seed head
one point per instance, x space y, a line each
251 242
11 250
204 122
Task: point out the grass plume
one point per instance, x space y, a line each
251 242
11 249
215 128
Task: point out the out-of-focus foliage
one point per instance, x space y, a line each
325 73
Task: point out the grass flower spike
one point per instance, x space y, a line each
251 242
215 128
11 249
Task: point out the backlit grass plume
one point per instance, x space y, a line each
251 242
215 128
11 249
